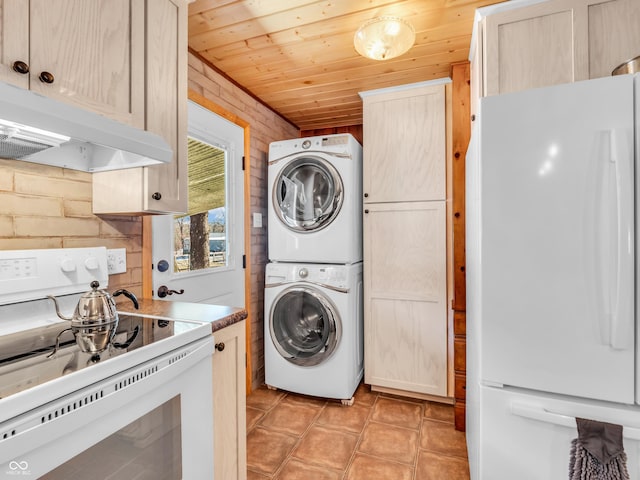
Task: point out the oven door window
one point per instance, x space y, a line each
149 448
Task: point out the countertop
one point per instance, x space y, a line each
219 316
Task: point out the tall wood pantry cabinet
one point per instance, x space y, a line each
404 229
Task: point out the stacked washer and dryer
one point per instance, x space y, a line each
313 283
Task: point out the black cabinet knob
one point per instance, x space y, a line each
220 346
156 196
46 77
20 67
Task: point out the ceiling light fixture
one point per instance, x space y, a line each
384 37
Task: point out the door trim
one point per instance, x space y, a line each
147 237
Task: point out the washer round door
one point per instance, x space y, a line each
305 327
308 194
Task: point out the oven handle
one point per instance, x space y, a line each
543 415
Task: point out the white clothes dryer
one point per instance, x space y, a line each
315 200
314 329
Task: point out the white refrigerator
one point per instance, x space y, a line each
551 275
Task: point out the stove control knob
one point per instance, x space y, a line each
67 265
303 272
91 263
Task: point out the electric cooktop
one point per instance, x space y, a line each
29 357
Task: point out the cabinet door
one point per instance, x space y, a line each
229 403
159 188
95 52
404 149
405 296
167 103
531 47
558 41
14 40
614 35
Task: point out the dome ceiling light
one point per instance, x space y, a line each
384 37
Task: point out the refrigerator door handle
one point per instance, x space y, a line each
622 314
543 415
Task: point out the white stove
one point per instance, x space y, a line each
63 409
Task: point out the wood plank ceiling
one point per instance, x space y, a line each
297 56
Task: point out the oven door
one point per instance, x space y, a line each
152 421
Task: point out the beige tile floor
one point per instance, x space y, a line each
380 437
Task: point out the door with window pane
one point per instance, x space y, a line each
201 251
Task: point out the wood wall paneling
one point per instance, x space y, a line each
461 133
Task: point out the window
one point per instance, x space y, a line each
201 236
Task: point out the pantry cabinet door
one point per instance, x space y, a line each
404 151
405 307
90 53
14 41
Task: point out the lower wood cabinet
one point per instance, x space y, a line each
229 403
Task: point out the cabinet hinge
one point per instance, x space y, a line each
244 261
243 163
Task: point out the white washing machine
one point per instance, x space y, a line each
315 200
313 329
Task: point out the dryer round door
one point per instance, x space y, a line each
308 194
305 326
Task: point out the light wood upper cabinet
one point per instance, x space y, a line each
529 49
14 40
404 133
89 53
158 188
557 41
614 34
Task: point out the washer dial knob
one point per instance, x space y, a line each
303 273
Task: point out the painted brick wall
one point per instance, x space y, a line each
50 207
265 127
